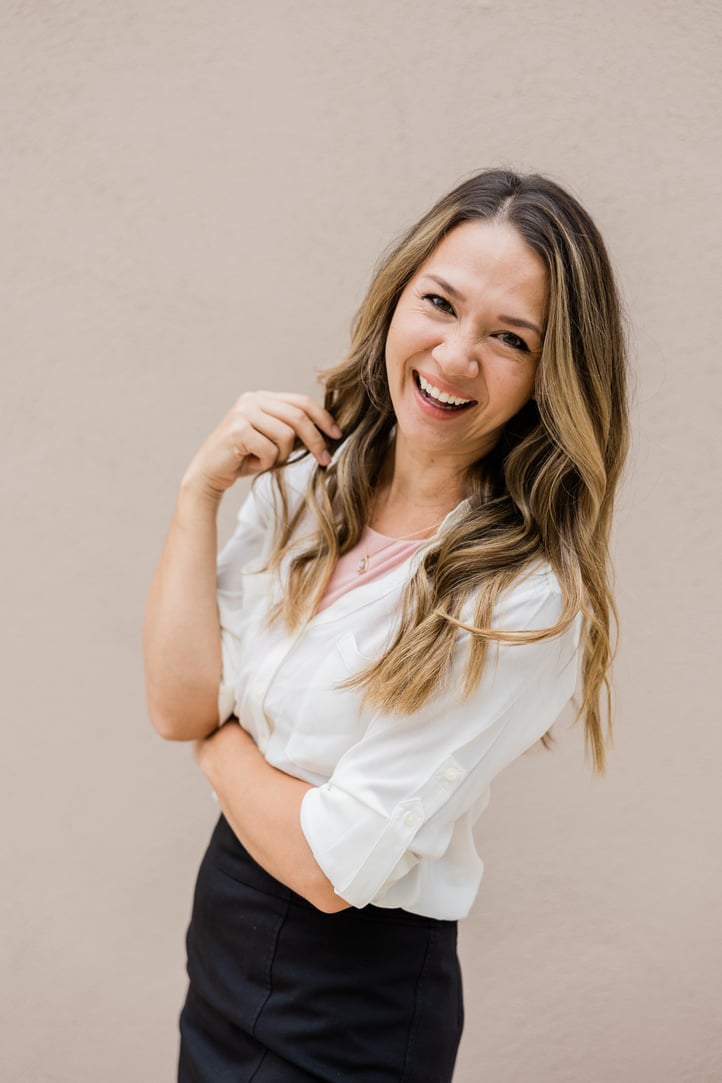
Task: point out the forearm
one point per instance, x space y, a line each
181 631
263 807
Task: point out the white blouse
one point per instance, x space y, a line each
394 799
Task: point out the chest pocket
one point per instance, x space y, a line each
321 720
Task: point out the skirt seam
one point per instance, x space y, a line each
269 969
418 1006
258 1067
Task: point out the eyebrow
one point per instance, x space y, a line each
513 320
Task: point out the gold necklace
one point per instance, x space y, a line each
363 564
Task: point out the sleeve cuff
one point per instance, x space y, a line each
357 847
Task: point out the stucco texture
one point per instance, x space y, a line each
193 197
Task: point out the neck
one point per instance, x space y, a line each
416 492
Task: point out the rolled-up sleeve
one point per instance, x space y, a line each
395 796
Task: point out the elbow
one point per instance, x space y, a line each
324 898
179 726
333 906
180 706
171 731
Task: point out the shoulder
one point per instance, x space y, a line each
295 475
297 472
264 497
533 600
536 582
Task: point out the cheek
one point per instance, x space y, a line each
525 382
512 389
390 359
396 349
408 333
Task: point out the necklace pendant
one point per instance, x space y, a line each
362 565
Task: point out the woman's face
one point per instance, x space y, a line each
464 343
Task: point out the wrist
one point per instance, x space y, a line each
195 491
228 746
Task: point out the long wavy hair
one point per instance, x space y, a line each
545 492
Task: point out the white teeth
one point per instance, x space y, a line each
441 396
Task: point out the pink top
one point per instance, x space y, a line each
380 555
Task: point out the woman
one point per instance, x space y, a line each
415 576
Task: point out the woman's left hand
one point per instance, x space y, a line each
208 750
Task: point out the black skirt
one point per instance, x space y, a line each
283 993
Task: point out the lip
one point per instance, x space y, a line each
442 385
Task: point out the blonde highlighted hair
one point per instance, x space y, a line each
545 491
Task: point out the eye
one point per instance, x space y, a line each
510 339
439 303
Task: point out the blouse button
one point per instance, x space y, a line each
410 819
451 774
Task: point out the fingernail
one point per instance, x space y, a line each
324 458
335 431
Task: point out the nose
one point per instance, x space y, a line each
456 356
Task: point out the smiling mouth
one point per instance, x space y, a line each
438 398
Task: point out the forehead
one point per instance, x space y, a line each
479 256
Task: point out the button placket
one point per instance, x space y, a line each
275 659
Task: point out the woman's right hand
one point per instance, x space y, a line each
258 433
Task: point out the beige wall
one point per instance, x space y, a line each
193 195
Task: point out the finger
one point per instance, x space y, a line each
275 429
253 450
320 417
283 426
302 425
